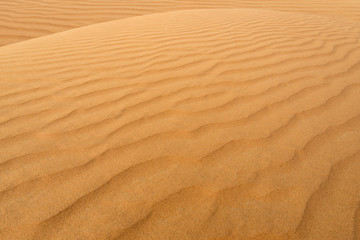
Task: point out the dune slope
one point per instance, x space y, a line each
25 19
198 124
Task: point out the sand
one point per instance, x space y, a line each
174 122
25 19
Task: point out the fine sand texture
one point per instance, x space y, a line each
25 19
189 124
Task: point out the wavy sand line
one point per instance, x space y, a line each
236 125
22 20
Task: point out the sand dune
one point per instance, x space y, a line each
25 19
194 124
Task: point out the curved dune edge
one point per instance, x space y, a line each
26 19
199 124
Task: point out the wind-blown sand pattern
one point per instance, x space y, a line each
25 19
191 124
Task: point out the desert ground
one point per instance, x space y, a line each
181 119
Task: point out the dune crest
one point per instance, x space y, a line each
195 124
21 20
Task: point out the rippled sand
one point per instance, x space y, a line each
222 123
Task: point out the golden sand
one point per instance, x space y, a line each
222 123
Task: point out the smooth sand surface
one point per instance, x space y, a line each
190 124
